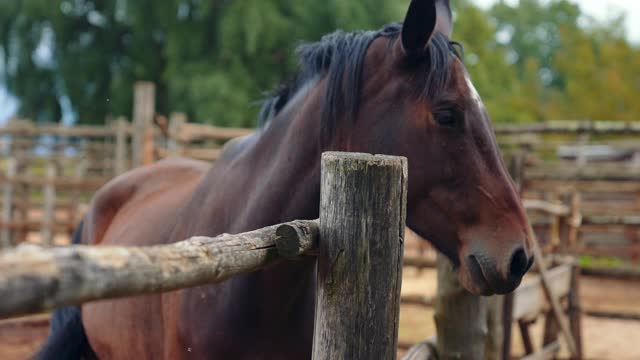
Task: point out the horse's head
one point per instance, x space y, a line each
417 100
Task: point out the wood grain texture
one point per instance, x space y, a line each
34 278
362 222
7 204
461 318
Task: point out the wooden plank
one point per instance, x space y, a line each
362 222
529 298
35 278
7 204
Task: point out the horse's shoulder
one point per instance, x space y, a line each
136 184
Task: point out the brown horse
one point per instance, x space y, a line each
402 90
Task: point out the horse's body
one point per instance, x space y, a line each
399 91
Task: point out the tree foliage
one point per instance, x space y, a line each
215 59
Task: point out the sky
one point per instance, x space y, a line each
599 9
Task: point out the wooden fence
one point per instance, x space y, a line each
363 227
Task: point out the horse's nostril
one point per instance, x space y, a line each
519 263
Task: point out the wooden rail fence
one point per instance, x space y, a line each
360 228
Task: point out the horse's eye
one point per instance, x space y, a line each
447 119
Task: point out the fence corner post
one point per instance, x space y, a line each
362 221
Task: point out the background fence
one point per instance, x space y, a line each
580 182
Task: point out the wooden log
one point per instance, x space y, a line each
143 112
362 223
7 204
461 318
48 213
35 278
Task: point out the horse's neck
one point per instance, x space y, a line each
275 179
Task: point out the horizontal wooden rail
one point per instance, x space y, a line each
599 172
29 129
194 132
33 278
90 183
571 126
547 207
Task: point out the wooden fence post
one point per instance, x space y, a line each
174 144
7 204
143 112
120 165
49 205
461 318
362 221
76 197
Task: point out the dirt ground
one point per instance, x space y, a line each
604 339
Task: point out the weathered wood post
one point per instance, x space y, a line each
143 111
362 221
49 204
174 144
76 197
7 203
461 318
120 165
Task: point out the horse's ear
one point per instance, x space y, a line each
419 26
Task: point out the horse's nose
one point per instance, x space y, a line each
501 276
519 264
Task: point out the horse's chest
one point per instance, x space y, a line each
249 317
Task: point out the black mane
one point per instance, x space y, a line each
340 57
